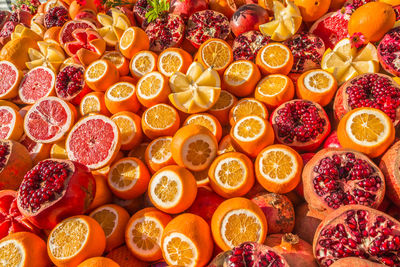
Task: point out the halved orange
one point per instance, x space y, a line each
275 89
251 134
121 96
208 121
172 60
187 241
238 220
278 168
74 240
101 74
317 85
367 130
274 58
128 178
133 40
93 103
201 177
11 122
158 153
231 175
121 62
222 107
215 53
172 189
247 107
241 77
144 231
194 147
103 193
142 63
152 88
160 120
113 219
130 127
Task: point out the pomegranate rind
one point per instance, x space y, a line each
9 82
387 39
352 261
338 217
75 199
318 207
53 119
390 167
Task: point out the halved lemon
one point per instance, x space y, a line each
50 55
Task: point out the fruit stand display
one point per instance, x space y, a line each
200 133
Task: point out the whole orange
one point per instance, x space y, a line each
312 10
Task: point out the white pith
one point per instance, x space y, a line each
316 90
98 77
173 53
4 261
172 176
169 154
142 54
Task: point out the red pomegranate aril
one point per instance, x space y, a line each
388 49
54 190
56 16
247 45
70 82
140 9
4 16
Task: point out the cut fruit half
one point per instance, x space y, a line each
158 154
247 107
94 141
113 26
160 120
152 88
241 77
173 60
11 123
222 107
121 96
69 27
49 120
215 53
49 55
10 78
208 121
274 90
129 125
93 103
101 74
121 62
275 58
367 130
133 40
142 63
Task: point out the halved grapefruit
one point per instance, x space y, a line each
10 77
70 26
11 123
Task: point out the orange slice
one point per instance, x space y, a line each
274 58
238 220
173 60
172 189
231 175
11 122
152 88
158 153
113 219
130 127
101 74
278 168
121 96
74 240
208 121
222 107
194 147
144 231
241 77
247 107
133 40
367 130
93 103
128 178
142 63
215 53
121 62
274 90
10 79
187 241
160 120
252 134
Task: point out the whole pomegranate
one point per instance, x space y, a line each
332 141
337 176
55 189
373 90
207 24
247 45
388 51
250 254
278 210
307 50
21 16
300 124
205 204
390 169
248 18
305 225
358 231
297 252
186 8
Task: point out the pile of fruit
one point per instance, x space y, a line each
200 133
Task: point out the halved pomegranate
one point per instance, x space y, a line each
335 177
388 51
140 9
369 90
300 124
390 167
358 231
4 15
55 189
56 16
247 45
11 220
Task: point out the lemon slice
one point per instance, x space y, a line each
287 20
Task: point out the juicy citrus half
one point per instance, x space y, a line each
101 74
11 123
247 107
160 120
274 89
172 60
152 88
9 80
158 153
121 62
93 103
208 121
142 63
215 53
241 77
130 127
133 40
121 96
275 58
222 107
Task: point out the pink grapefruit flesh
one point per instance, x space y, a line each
66 35
37 83
9 79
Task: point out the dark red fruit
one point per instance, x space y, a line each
300 124
358 231
55 189
205 204
247 45
6 31
335 177
388 50
305 225
166 31
56 16
140 9
11 220
21 16
390 168
332 141
278 210
4 16
373 90
188 7
88 15
248 18
207 24
307 50
353 261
